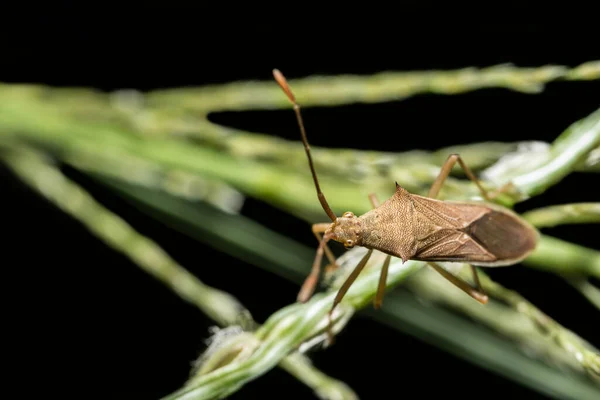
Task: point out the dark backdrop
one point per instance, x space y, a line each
94 325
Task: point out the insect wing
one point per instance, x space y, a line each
477 233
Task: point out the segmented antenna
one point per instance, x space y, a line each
286 88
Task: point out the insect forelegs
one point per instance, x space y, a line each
317 230
308 287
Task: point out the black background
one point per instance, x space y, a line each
89 323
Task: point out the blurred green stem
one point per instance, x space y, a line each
551 338
287 329
586 288
69 135
575 213
581 352
263 181
564 258
385 86
555 257
451 332
325 387
568 149
40 174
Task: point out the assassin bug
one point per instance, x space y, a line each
423 228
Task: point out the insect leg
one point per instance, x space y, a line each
317 230
507 187
386 265
462 285
373 199
382 280
311 280
344 289
445 171
476 279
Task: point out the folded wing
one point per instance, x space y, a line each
470 232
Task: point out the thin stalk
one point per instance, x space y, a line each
540 332
284 331
70 136
574 213
324 386
38 172
455 334
288 189
385 86
564 258
586 288
340 162
174 181
575 143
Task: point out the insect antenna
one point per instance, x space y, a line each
286 88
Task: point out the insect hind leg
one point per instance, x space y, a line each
477 294
477 282
378 301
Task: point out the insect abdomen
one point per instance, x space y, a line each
503 235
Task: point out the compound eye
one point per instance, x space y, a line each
349 243
348 214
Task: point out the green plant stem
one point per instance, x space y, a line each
70 135
220 306
39 174
555 258
544 334
386 86
575 213
570 147
325 387
564 258
284 331
457 335
586 288
361 165
288 189
581 351
174 181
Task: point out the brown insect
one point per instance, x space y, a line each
414 227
